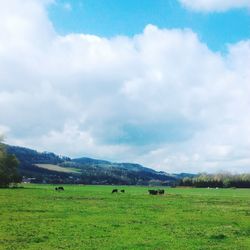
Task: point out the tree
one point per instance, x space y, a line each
218 180
8 168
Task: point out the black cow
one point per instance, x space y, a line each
114 191
59 189
153 192
161 191
122 191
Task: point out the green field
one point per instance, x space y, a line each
57 168
90 217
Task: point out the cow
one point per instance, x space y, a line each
59 188
161 191
153 192
114 191
122 191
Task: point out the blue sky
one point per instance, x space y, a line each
110 18
162 83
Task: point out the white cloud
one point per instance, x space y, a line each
67 6
160 98
214 5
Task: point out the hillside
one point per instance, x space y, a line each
50 168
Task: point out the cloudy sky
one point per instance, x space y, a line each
161 83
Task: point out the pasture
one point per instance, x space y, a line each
57 168
90 217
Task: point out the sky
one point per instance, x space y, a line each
163 83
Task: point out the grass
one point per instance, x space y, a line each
57 168
90 217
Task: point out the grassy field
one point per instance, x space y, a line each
90 217
58 168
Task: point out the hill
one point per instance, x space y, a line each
47 167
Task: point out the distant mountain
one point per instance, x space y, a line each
26 155
103 163
86 160
48 167
183 175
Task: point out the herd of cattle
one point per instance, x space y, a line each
116 191
151 191
155 192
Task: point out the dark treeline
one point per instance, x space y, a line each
224 180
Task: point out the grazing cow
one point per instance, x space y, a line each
59 188
114 191
153 192
161 191
122 191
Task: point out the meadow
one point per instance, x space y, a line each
90 217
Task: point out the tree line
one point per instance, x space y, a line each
225 180
9 175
